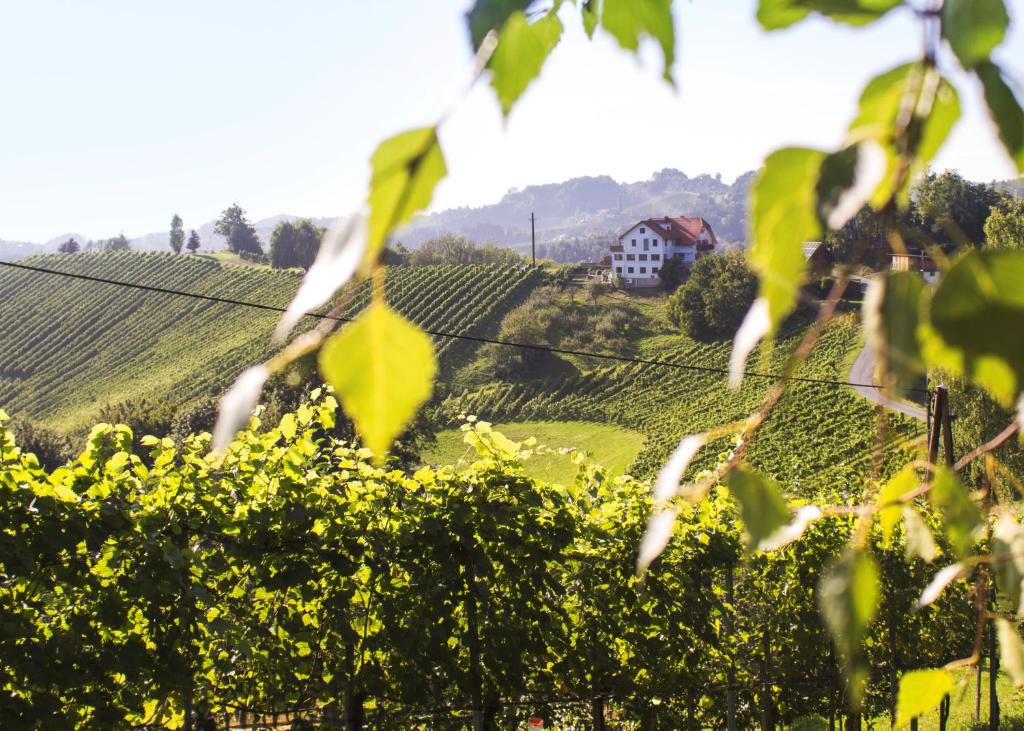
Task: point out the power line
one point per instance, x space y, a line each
441 333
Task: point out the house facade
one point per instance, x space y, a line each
643 249
915 260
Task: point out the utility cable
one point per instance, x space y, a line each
442 333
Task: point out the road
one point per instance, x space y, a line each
863 371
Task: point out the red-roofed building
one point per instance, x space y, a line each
642 250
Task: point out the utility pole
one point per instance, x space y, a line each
533 239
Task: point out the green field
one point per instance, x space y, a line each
71 347
610 446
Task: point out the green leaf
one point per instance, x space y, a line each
959 513
848 596
784 216
940 582
590 20
628 21
883 105
762 507
974 28
1011 651
891 320
523 47
976 316
921 691
848 179
919 539
488 15
1005 110
406 169
1008 557
382 367
775 14
890 507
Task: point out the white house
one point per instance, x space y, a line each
642 250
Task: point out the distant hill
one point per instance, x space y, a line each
575 219
592 208
578 210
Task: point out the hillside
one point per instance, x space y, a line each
798 444
71 347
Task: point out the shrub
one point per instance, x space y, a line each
714 299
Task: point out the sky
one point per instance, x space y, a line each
117 114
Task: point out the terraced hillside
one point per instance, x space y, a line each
68 347
819 439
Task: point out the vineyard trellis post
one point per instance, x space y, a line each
993 674
533 239
597 712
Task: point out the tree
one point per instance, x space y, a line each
672 274
1004 228
295 244
177 234
238 230
715 297
117 243
951 210
396 255
457 249
69 247
193 242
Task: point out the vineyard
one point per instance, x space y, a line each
819 440
73 346
291 579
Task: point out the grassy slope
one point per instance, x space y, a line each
819 439
611 446
69 347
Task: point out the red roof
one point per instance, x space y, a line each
684 229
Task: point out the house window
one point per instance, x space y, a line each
654 270
618 257
618 270
655 257
655 242
643 230
643 270
630 270
630 257
643 257
645 242
634 242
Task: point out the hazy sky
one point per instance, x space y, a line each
116 113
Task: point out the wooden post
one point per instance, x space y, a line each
730 693
597 713
533 239
941 406
977 690
947 429
993 674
